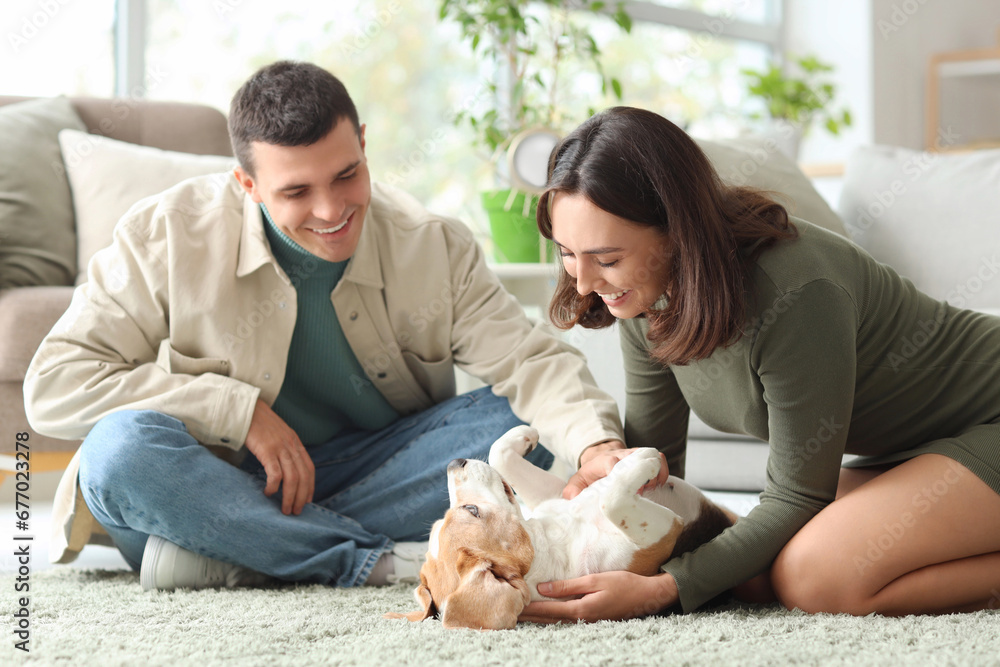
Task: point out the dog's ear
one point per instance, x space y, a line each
491 595
423 595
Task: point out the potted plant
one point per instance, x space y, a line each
530 46
796 97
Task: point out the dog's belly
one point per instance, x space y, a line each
572 539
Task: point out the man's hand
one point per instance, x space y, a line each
284 457
605 596
597 461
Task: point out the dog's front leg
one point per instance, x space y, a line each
532 484
644 522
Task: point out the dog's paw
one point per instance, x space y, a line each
518 441
639 467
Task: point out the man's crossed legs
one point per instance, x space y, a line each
142 474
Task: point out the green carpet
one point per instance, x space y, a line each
99 617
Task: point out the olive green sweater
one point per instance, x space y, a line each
841 355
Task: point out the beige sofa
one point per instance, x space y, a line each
27 313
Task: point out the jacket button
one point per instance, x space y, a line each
267 376
224 440
281 305
381 376
354 315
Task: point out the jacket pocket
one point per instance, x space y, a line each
436 378
173 361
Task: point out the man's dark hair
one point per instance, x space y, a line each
287 104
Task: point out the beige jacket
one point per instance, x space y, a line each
188 313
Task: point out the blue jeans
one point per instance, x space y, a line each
142 474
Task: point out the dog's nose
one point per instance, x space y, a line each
457 463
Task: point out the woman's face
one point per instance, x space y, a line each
623 262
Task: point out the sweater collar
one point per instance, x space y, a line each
295 259
364 266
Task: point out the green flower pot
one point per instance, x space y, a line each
515 235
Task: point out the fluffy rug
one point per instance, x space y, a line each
102 617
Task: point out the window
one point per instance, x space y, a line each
691 77
752 11
57 47
408 72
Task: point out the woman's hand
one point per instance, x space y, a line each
284 458
605 596
597 461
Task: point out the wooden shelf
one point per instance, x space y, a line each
822 169
955 65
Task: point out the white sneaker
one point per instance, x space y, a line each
166 566
399 566
407 559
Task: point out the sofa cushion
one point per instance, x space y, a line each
108 176
933 217
37 243
758 163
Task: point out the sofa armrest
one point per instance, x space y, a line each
27 314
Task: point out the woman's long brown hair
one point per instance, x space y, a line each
641 167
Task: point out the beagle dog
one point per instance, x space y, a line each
485 559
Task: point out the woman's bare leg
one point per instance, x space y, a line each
923 537
759 590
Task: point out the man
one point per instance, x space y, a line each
264 373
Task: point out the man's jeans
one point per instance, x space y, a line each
142 474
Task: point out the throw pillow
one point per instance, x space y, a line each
37 244
760 164
931 216
109 176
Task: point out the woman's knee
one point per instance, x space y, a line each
807 578
795 579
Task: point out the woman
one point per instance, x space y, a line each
788 332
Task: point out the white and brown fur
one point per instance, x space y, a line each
485 559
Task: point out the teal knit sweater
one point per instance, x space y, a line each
325 391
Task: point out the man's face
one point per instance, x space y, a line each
317 195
